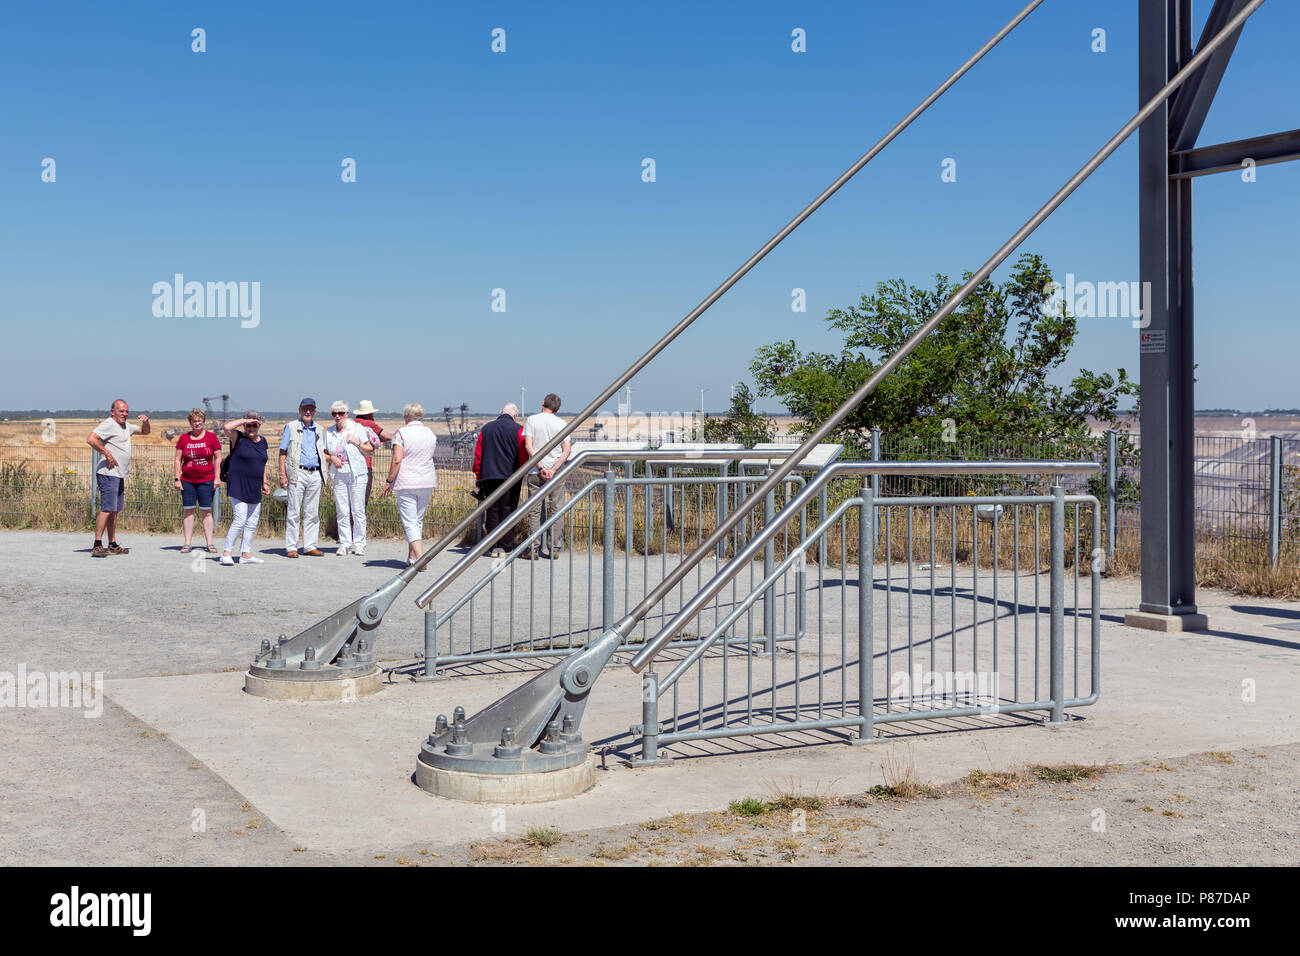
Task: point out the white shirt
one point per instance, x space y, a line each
117 442
336 443
416 469
541 428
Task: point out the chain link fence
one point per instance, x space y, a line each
1247 490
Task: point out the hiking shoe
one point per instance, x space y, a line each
99 551
291 554
115 548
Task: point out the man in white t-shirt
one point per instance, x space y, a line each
538 430
112 439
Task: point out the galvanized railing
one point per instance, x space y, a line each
963 609
622 535
620 542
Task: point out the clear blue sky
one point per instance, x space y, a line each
522 171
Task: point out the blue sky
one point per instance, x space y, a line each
522 170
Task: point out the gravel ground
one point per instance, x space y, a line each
1212 809
117 791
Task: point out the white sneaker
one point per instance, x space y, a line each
359 550
227 560
243 560
341 552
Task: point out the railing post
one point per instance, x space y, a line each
650 717
430 642
1112 490
607 559
822 502
724 471
866 619
877 454
1057 626
94 484
769 562
1274 500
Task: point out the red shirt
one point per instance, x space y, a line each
198 456
373 427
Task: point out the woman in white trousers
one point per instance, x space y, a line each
346 446
412 477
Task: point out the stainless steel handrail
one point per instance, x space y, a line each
585 457
755 544
828 427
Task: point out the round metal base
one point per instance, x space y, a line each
510 787
330 684
481 758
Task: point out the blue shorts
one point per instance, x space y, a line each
200 491
111 492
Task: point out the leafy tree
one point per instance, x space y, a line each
741 424
984 372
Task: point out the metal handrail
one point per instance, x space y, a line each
834 420
747 554
583 457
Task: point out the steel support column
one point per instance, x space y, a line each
1166 353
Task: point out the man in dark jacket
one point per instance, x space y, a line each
499 451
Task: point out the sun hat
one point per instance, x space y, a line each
365 408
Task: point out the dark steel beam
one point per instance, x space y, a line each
1166 352
1225 157
1192 102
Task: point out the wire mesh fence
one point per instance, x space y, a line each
1247 491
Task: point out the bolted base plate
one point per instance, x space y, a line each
518 787
337 686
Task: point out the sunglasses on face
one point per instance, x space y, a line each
339 414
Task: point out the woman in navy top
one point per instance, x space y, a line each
245 485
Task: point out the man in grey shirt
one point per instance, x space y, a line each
112 439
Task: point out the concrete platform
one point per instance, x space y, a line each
178 734
1168 623
496 789
338 689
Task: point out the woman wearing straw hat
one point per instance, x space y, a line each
365 417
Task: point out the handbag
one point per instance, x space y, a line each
225 462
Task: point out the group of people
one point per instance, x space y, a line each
307 452
503 445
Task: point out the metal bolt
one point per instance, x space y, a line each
284 638
362 646
581 676
310 654
568 723
275 653
372 612
507 748
553 731
440 726
552 743
266 645
460 745
458 715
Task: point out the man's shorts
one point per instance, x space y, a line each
200 491
112 494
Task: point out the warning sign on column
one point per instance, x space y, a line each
1153 340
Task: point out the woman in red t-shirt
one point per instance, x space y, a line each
198 471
